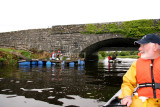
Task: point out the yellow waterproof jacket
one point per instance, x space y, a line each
128 85
129 82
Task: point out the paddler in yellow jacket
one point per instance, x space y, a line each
144 74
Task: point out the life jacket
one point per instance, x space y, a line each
52 54
148 77
109 58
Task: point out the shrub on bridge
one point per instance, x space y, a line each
135 28
90 28
138 28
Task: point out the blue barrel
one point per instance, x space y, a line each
40 62
81 62
34 62
71 64
48 63
24 63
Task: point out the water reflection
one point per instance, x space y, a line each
89 85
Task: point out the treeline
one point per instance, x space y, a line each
129 54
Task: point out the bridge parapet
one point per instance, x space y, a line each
68 29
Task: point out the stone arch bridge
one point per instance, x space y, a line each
68 39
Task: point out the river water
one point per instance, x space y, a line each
89 85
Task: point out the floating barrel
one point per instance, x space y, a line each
40 62
48 63
71 64
34 62
24 63
80 62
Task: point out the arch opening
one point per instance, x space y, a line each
115 44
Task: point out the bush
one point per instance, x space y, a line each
103 53
124 53
90 28
12 62
100 56
135 53
26 54
35 56
109 54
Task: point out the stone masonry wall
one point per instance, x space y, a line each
66 38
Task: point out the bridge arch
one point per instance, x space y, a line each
112 44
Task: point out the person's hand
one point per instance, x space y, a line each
126 101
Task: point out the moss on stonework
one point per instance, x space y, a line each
135 28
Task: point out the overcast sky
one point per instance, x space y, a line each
34 14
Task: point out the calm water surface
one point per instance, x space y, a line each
90 85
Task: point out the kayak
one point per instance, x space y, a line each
114 61
114 101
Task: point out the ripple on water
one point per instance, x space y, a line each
51 97
29 81
11 96
38 90
6 90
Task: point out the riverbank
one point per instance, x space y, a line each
130 56
11 56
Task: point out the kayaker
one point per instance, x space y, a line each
109 57
114 56
146 73
59 55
